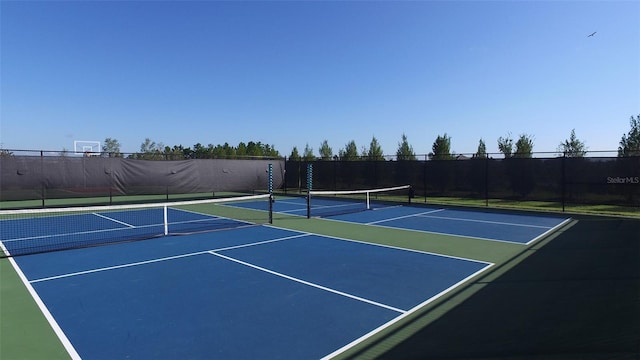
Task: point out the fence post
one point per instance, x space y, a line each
486 181
424 178
375 172
43 187
564 181
335 173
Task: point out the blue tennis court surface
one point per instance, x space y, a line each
495 226
250 293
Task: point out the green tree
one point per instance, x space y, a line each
295 155
111 147
405 151
254 149
481 153
229 151
201 152
572 147
630 142
326 153
150 150
270 151
524 146
505 145
307 154
217 151
260 149
350 152
177 152
375 150
241 150
186 152
441 148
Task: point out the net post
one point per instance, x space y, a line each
271 200
42 182
270 180
412 194
309 187
166 220
270 189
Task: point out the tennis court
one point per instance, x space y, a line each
251 291
339 277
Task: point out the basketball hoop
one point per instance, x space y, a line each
87 148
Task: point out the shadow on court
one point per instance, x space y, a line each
578 297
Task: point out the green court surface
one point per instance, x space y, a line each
25 333
541 267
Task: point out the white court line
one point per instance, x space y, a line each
317 207
486 221
353 204
310 283
387 207
292 211
549 231
291 202
262 242
207 217
426 231
91 271
212 217
114 220
376 223
404 217
117 267
73 354
389 246
405 314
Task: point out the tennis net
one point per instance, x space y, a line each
32 231
331 203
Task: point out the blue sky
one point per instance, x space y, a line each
291 73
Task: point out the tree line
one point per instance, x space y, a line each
441 149
522 147
150 150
